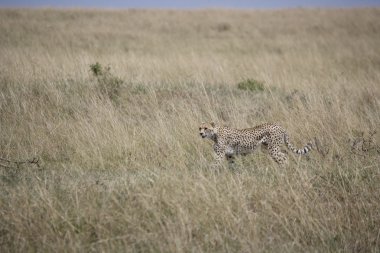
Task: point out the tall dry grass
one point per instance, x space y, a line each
121 164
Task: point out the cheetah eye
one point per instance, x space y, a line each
200 129
205 128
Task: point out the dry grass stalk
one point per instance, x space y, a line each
124 169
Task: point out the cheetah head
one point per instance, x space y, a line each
207 130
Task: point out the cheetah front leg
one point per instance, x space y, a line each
219 157
219 153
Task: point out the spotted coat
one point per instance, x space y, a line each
229 142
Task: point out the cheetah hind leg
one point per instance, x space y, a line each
279 157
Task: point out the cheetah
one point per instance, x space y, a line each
229 142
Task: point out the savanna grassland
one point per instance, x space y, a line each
109 102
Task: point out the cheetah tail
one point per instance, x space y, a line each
300 151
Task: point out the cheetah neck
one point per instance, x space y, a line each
214 138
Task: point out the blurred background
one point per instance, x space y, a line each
190 4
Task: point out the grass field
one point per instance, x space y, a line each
110 103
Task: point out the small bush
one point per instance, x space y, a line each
251 85
223 27
108 84
96 69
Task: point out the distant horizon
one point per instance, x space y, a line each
184 8
195 4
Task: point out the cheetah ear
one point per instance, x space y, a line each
212 124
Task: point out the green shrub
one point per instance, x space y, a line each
96 69
251 85
108 84
223 27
